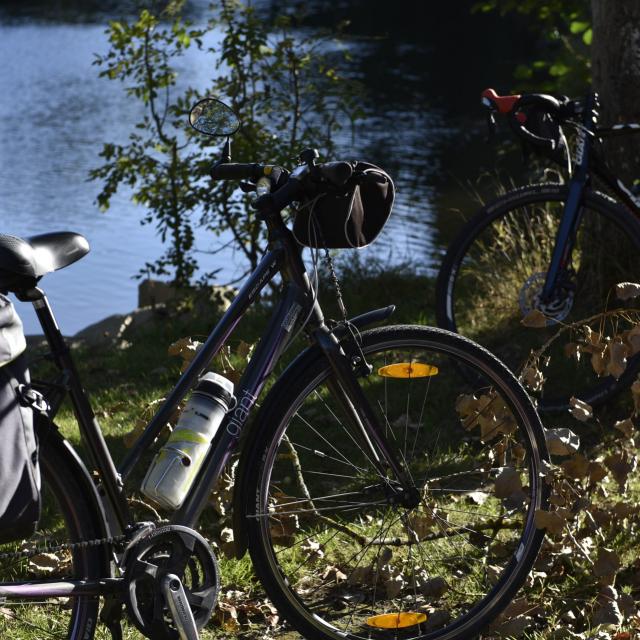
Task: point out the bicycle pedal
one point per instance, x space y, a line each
176 599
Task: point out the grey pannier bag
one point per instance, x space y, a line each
19 404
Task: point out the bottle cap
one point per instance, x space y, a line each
213 384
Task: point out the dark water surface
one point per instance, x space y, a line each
423 68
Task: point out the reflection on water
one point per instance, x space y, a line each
55 113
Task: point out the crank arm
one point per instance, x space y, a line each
176 599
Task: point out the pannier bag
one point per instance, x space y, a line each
19 471
350 217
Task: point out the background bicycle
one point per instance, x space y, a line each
543 256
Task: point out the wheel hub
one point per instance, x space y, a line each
557 308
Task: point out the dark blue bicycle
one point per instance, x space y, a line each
541 257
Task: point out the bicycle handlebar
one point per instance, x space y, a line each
239 171
518 107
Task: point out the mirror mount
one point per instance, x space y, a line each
226 151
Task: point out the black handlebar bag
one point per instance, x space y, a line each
349 217
19 471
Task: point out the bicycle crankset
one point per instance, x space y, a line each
172 583
556 309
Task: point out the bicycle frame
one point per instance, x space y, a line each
587 160
297 305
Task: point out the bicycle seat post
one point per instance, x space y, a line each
97 449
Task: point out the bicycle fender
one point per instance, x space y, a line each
50 436
302 361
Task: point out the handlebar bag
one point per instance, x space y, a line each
347 217
19 470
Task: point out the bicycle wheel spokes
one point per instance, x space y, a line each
350 548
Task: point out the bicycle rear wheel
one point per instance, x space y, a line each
337 553
68 515
495 269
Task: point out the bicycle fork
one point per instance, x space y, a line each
348 392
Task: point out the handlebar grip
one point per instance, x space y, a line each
237 171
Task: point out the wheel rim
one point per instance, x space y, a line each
408 562
490 294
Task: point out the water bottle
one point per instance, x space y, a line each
175 466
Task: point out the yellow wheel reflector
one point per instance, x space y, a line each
398 620
408 370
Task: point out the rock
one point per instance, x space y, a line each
155 292
113 328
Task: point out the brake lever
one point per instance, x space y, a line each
247 187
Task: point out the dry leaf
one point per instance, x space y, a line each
620 465
562 442
433 587
617 358
512 627
532 378
552 521
632 338
227 543
334 574
596 471
607 610
626 427
313 550
507 483
580 410
576 467
607 564
627 290
535 319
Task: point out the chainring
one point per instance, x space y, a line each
555 310
175 550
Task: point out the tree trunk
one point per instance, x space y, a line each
615 58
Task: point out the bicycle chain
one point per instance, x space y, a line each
81 544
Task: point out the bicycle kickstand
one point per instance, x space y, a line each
176 600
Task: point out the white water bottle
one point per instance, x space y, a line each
175 466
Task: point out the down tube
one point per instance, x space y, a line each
263 273
281 326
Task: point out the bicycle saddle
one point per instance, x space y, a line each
23 261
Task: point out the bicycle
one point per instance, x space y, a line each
379 493
536 249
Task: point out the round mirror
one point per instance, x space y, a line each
214 118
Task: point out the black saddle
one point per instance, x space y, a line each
23 261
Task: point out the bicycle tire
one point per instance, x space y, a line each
487 286
306 598
68 515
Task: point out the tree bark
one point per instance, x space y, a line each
615 59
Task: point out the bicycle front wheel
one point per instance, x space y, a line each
493 274
336 550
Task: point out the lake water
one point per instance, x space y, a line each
55 114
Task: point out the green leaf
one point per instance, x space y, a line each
578 26
587 36
559 69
